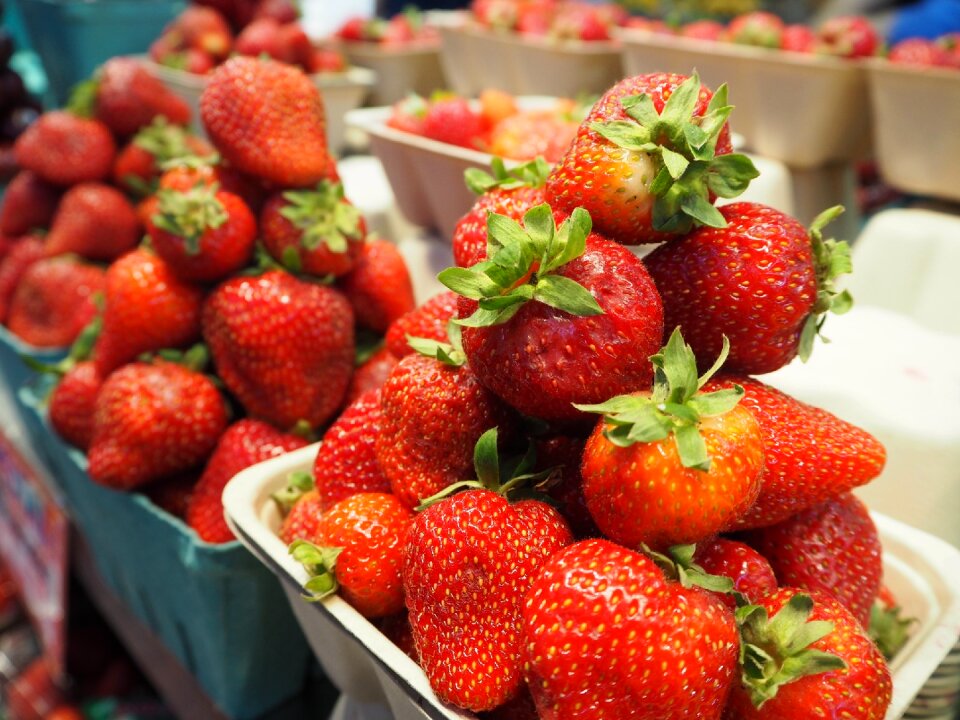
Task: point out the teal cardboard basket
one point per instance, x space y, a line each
216 607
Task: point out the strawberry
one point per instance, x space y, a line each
378 287
609 638
371 375
359 553
73 402
64 149
95 221
674 465
204 234
295 46
810 454
429 321
432 413
556 316
798 38
650 158
408 114
29 203
703 30
920 52
172 494
496 106
302 521
54 301
267 119
129 98
759 28
204 28
806 656
318 232
749 571
147 309
532 133
762 282
138 164
284 11
506 192
353 29
152 421
209 171
282 346
453 121
326 60
245 443
21 256
848 37
579 21
346 463
469 561
261 37
833 547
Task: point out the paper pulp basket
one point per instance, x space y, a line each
920 570
399 71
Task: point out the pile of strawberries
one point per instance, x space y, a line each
569 497
232 331
550 19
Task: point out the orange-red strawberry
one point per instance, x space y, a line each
245 443
371 375
29 203
54 301
833 547
809 658
129 98
673 465
22 255
429 321
762 282
138 165
749 571
64 149
267 119
557 316
152 421
318 231
358 553
95 221
609 638
650 158
810 454
147 308
72 404
204 234
346 463
282 346
378 287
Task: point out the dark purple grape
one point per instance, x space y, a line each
6 47
17 121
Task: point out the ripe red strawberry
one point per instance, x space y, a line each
855 682
29 203
138 165
318 232
378 287
346 463
429 321
763 29
750 572
295 45
152 421
703 30
147 309
658 477
64 149
204 234
833 547
666 188
810 454
581 328
918 51
302 522
21 256
129 98
172 494
54 301
371 375
359 553
798 38
848 37
205 28
72 404
326 60
95 221
609 638
282 346
762 282
261 37
245 443
453 121
267 119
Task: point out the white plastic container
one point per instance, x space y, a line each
921 571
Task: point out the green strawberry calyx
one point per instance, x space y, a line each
684 148
321 564
775 651
674 407
188 214
831 259
889 629
512 477
678 565
529 174
450 353
522 264
299 483
323 216
164 141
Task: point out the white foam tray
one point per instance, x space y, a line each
921 570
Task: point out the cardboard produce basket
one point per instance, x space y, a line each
805 110
916 116
399 70
920 570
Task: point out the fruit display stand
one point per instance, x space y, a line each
919 568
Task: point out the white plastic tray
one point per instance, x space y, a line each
921 570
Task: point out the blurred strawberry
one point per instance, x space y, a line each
453 121
919 52
261 37
138 165
64 149
24 253
378 287
409 114
129 98
29 203
848 37
95 221
283 11
703 30
763 29
325 60
73 402
295 46
204 28
798 38
580 21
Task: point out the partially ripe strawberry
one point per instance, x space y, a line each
378 287
763 29
72 404
429 321
64 149
408 114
